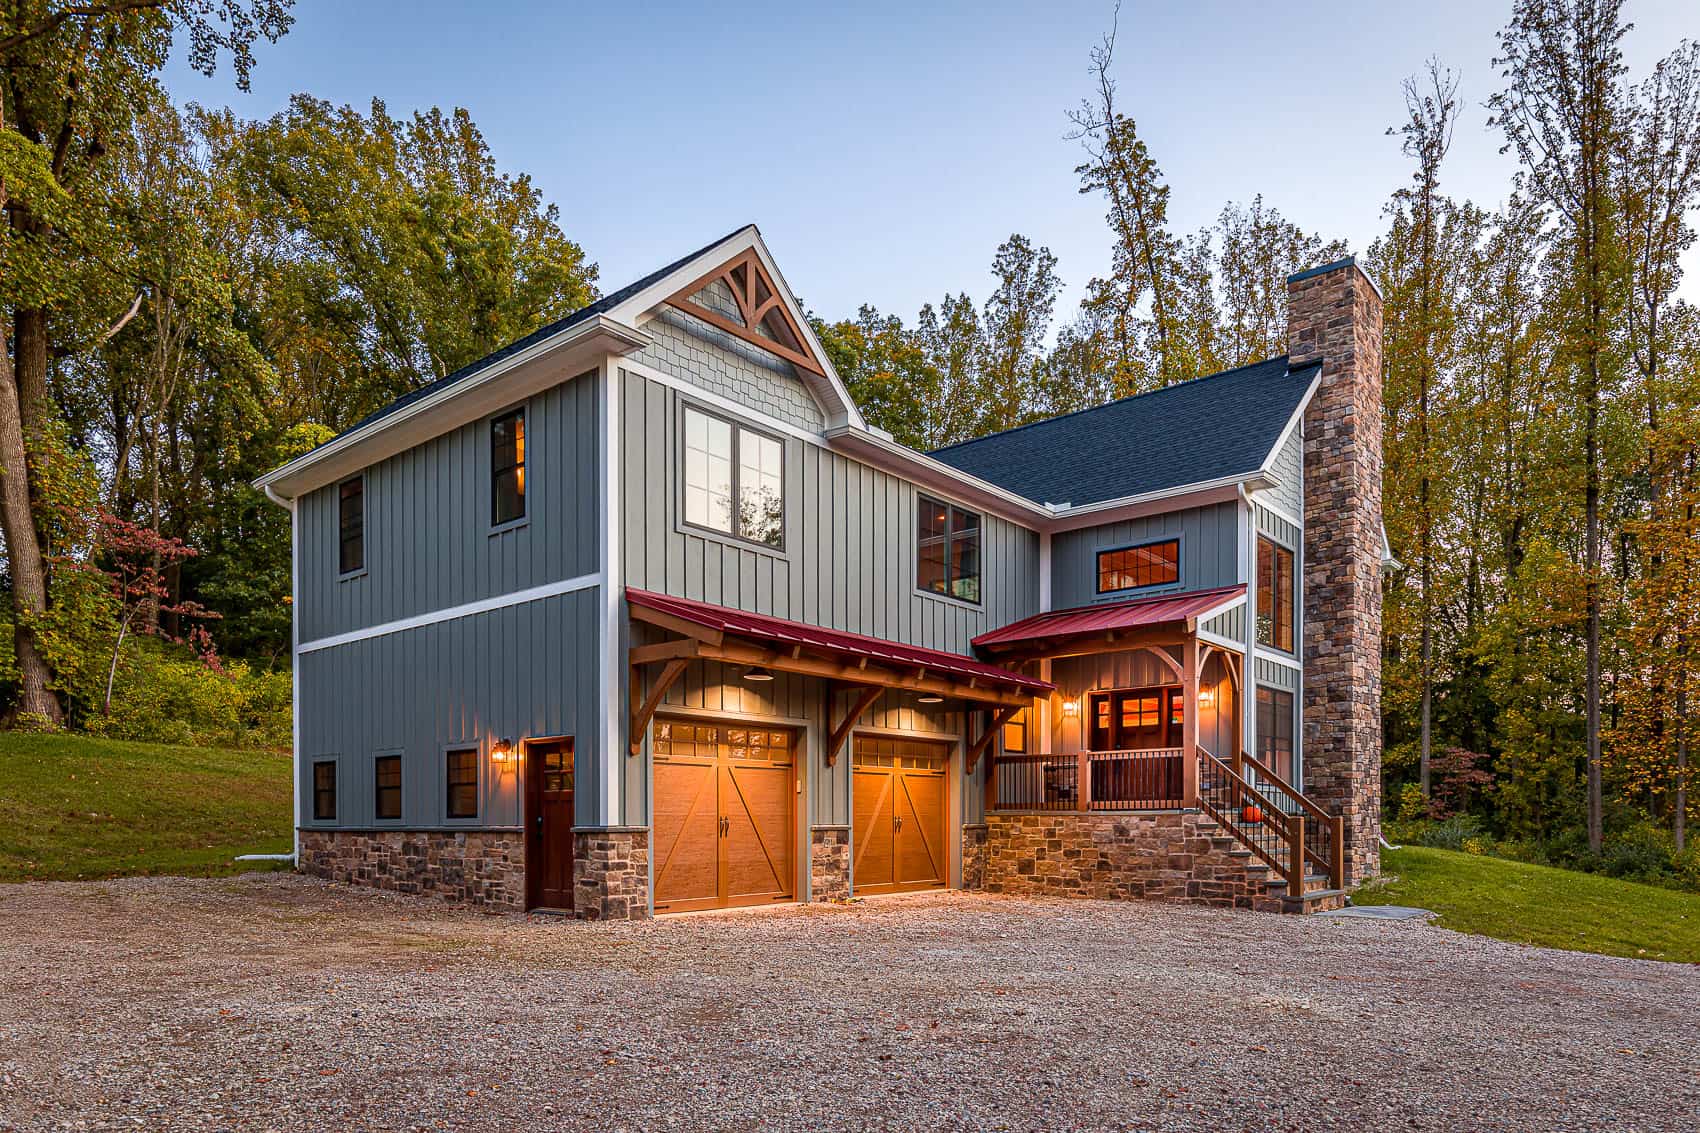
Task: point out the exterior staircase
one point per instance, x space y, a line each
1262 818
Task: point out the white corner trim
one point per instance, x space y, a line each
449 613
1045 599
296 784
610 670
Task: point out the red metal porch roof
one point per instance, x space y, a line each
779 631
1160 610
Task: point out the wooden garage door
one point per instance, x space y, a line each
725 826
898 811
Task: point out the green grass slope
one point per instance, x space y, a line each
1532 904
78 807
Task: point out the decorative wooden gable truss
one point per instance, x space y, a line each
763 318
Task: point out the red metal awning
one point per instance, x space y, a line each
781 633
1083 621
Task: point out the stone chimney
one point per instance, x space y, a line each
1334 316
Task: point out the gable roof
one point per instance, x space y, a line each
583 314
1201 431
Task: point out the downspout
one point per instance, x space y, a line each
294 685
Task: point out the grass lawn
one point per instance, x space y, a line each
77 807
1533 904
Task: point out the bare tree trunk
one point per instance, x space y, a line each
1679 828
23 390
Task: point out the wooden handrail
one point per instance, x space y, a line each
1257 796
1285 787
1334 862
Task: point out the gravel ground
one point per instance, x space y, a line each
276 1002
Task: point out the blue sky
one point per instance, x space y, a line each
885 149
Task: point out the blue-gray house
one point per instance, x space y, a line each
638 615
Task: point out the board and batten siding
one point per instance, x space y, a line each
516 672
1209 552
428 539
849 560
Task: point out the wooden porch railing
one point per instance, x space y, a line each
1090 780
1281 827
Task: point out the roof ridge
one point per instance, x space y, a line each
1120 401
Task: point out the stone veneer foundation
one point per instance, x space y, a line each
973 855
829 863
611 873
1174 856
1334 314
476 867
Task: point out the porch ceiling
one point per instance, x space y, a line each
1114 625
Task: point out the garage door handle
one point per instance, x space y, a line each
900 823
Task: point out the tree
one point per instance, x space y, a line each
72 74
1017 319
1561 112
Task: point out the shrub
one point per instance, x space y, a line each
166 695
1641 853
1451 833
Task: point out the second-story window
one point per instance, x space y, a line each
507 468
351 525
947 549
734 480
1134 568
1275 585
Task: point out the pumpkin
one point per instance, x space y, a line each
1251 812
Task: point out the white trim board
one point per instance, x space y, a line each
449 613
1277 658
719 401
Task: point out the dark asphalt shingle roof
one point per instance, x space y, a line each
606 303
1205 429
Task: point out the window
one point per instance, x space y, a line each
351 525
1275 731
507 468
1131 568
463 783
324 790
1274 595
1140 719
947 549
1015 732
386 794
734 480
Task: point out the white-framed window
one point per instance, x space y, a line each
734 479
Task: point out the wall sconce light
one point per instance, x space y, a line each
502 752
1071 708
929 698
757 673
1207 697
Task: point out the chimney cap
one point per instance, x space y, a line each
1349 261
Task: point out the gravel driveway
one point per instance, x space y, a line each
278 1002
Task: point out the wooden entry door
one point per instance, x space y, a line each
549 823
725 815
898 809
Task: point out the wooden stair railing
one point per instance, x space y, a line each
1286 842
1325 841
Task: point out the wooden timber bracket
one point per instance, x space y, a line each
841 734
999 718
643 713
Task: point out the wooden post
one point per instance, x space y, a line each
1337 852
1189 721
1296 855
1083 780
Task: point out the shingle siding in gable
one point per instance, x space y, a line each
1290 470
690 349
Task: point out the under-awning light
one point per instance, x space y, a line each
929 698
757 674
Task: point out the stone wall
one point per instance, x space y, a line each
974 855
1167 856
1334 314
611 873
829 863
474 867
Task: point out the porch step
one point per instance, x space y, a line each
1314 901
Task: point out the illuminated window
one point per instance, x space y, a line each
1274 595
507 468
1132 568
1015 732
947 549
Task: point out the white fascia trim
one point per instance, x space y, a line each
718 401
907 461
629 336
1278 658
1221 642
640 306
1293 423
1066 518
467 609
611 670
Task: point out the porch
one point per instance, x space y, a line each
1148 716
